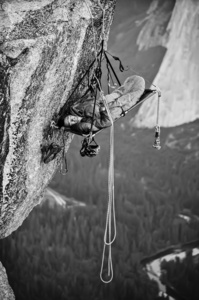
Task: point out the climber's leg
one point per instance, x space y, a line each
125 96
133 86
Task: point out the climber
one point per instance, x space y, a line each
81 117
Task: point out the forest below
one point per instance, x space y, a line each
56 253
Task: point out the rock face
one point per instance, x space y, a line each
179 72
45 47
6 292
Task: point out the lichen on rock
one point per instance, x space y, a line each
45 47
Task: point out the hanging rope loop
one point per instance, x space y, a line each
110 266
110 216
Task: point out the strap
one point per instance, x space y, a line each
62 112
108 62
93 115
156 144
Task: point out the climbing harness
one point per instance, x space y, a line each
86 145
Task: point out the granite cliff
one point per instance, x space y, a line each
45 47
173 25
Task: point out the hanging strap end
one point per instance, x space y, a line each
156 144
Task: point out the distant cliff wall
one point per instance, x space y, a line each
178 75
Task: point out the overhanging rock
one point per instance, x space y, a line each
45 47
6 292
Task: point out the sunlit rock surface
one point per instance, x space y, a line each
178 75
45 47
6 292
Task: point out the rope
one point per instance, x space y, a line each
111 203
108 239
93 115
96 58
156 144
158 106
98 86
